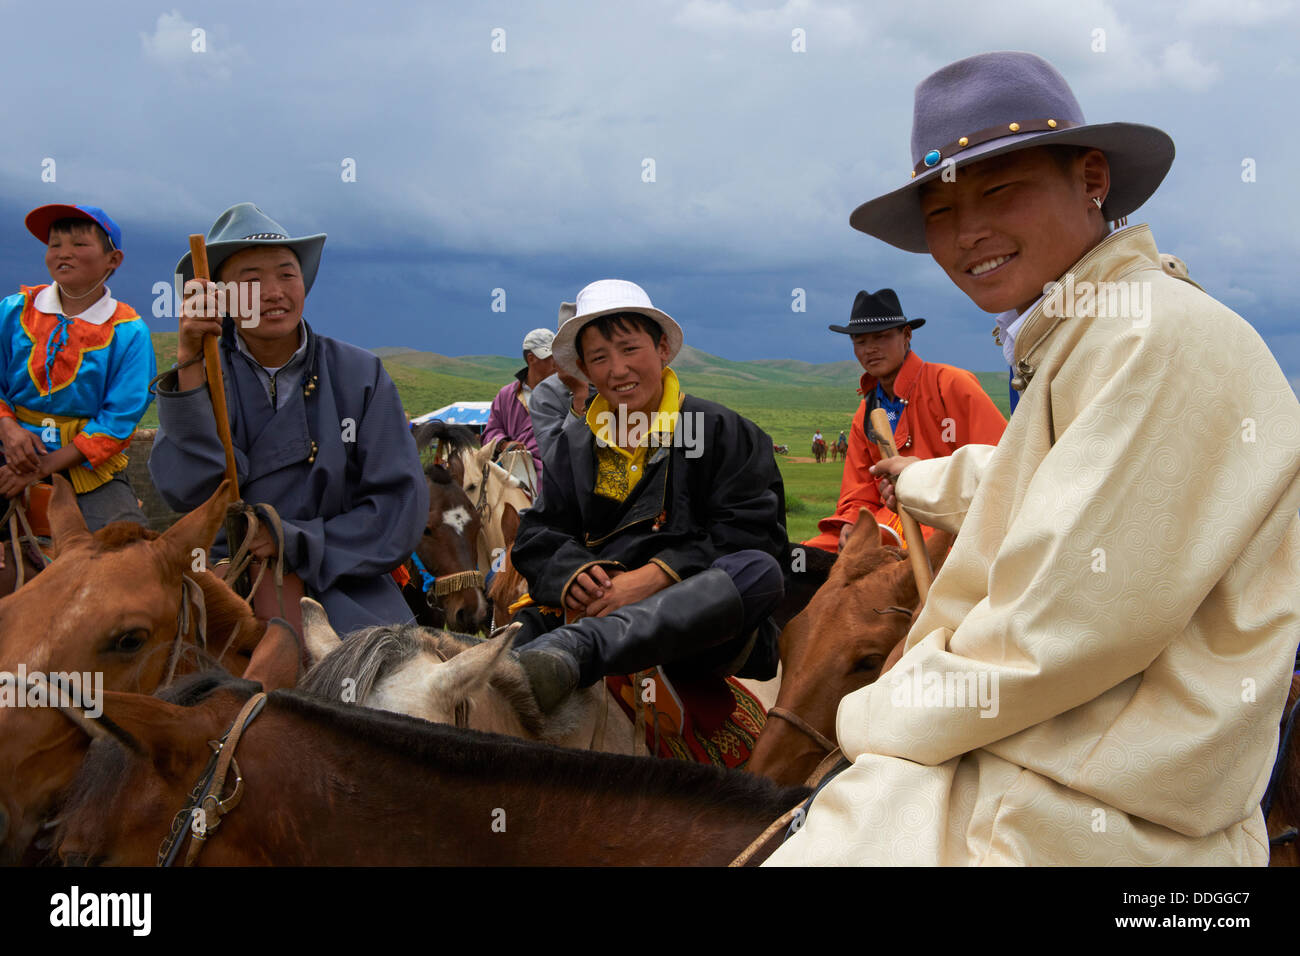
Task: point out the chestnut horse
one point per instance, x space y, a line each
115 603
328 784
447 554
837 644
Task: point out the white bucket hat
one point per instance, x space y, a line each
607 297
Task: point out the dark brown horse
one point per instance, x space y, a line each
113 603
335 784
447 553
837 644
819 450
1284 816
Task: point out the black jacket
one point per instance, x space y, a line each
730 498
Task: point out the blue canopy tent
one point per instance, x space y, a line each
471 414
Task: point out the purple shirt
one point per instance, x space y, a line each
509 419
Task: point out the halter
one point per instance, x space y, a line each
205 807
798 723
432 586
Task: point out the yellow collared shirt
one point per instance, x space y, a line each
617 469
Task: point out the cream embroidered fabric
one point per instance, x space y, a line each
1122 604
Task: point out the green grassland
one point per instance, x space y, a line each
788 399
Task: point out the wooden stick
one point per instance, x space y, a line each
916 552
212 362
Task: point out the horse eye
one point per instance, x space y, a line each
129 642
429 532
872 662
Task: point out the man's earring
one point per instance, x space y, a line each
1097 201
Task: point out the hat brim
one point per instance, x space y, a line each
40 219
565 346
910 323
1139 158
307 249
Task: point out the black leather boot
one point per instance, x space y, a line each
682 620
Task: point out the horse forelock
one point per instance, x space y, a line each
364 658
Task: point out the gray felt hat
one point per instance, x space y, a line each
995 103
244 226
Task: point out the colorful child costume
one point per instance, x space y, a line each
83 380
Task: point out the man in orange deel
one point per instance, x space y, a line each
933 409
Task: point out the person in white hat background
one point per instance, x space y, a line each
558 397
660 533
317 426
509 423
1120 610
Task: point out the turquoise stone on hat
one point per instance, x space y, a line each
932 157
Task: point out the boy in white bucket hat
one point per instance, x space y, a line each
1099 670
660 534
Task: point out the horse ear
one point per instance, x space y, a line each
472 668
275 660
151 728
509 524
197 529
865 537
67 526
317 631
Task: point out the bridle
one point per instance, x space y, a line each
205 808
435 587
807 729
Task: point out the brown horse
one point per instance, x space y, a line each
447 553
819 450
1284 815
113 603
489 486
328 784
837 644
840 449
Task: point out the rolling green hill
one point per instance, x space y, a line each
788 399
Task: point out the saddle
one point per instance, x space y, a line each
697 718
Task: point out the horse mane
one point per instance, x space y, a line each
471 752
438 474
121 534
364 658
453 750
456 437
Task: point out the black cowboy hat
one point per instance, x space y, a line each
876 313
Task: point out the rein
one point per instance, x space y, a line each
831 765
205 807
15 515
798 723
242 557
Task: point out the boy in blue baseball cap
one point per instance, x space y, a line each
75 366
